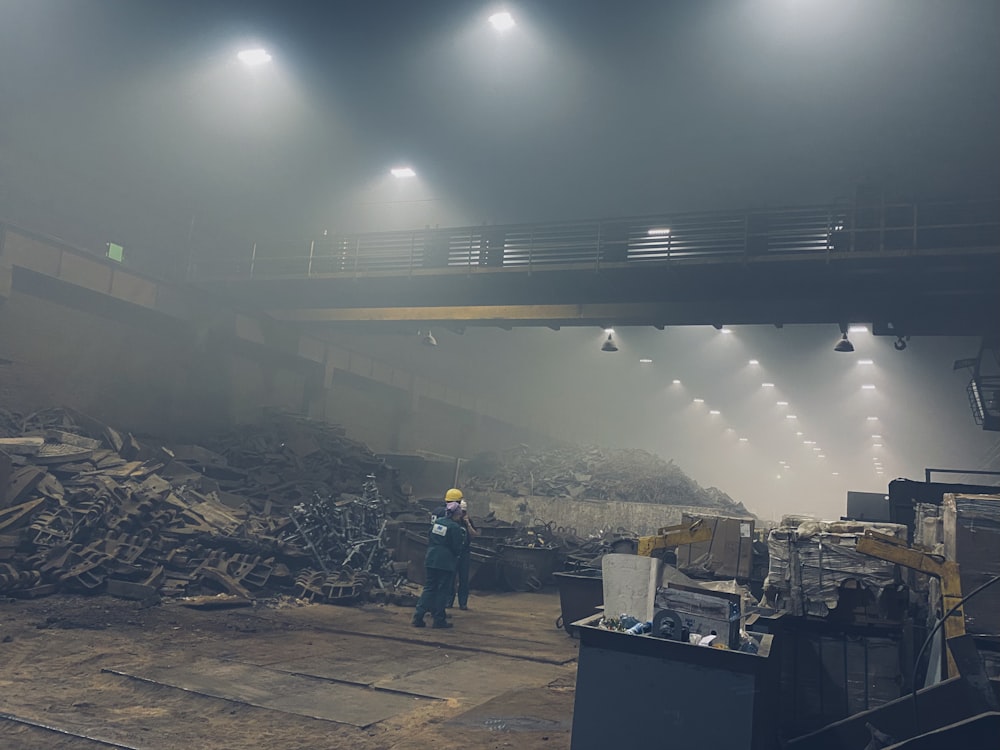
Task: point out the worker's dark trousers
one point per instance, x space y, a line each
435 595
462 574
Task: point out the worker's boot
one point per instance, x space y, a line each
418 620
442 624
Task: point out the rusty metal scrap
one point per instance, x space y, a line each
593 473
88 508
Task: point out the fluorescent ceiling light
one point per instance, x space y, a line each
253 57
645 361
858 329
866 362
754 362
676 381
725 330
877 437
767 385
872 419
402 172
782 403
790 416
502 21
714 411
699 400
743 440
868 387
876 445
658 232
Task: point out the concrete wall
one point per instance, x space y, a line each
585 516
82 331
146 380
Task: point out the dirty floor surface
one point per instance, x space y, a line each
85 673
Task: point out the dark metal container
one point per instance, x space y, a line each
657 693
580 594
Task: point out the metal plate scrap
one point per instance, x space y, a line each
88 509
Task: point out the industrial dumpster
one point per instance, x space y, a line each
645 692
580 594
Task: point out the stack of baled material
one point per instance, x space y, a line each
972 539
812 562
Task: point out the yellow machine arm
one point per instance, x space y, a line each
889 548
674 536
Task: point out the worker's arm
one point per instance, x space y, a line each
456 540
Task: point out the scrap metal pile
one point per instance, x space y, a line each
595 474
290 506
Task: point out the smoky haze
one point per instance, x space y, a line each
561 383
132 122
584 110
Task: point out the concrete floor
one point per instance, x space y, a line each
314 676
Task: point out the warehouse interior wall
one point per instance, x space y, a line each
160 375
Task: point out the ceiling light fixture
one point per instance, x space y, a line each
609 344
502 21
866 362
253 57
645 361
676 381
843 345
754 362
401 173
767 385
429 339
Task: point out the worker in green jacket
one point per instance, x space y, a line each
444 544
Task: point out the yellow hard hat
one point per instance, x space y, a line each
453 495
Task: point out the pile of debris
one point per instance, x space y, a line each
292 506
287 459
595 474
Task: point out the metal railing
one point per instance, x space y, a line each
729 236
